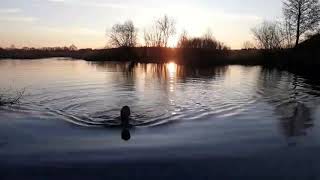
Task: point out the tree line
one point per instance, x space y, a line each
158 35
65 48
300 20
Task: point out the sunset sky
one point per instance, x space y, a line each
37 23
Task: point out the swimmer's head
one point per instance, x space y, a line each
125 113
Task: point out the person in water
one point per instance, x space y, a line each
125 122
125 116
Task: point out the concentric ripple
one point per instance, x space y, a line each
92 94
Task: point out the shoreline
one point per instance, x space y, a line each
286 58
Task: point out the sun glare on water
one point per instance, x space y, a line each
172 71
172 68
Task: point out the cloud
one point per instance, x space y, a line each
105 5
14 15
71 30
56 0
17 19
10 10
97 4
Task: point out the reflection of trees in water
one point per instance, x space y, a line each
153 88
120 82
125 68
296 119
135 76
160 71
282 90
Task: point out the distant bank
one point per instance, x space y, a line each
307 55
151 55
142 54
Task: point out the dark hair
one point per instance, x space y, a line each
125 113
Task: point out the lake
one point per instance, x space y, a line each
225 121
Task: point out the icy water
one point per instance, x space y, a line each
72 106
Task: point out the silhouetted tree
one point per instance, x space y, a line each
268 35
287 33
153 37
207 41
160 33
73 48
302 15
124 35
167 28
183 39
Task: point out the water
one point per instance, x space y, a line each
91 94
178 111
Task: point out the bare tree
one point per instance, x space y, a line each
268 35
302 15
160 33
167 29
123 35
153 37
183 39
287 33
73 48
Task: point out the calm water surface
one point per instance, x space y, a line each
168 101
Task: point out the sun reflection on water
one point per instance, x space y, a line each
172 71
